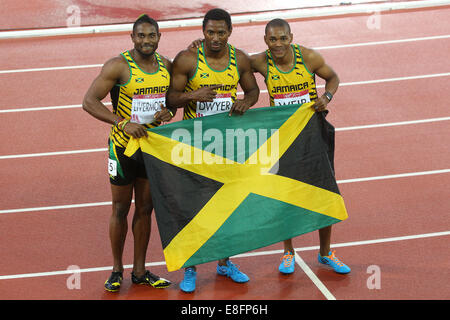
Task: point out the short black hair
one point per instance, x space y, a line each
144 18
217 14
278 23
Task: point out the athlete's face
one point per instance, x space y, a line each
145 39
278 40
216 34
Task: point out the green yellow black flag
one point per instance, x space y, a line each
226 185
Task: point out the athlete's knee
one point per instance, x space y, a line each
143 209
120 210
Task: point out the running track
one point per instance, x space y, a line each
394 177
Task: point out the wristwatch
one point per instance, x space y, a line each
328 95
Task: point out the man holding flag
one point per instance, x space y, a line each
129 78
289 71
205 82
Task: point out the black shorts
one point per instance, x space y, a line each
123 170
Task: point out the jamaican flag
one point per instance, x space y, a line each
223 185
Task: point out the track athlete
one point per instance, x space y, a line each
205 81
137 81
289 71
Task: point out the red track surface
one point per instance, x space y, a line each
51 240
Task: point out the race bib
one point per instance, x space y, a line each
291 98
144 107
221 103
112 167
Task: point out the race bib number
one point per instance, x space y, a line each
144 107
221 103
291 98
112 167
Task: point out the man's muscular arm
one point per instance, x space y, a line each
316 64
114 71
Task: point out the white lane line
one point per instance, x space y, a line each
94 204
425 76
350 45
51 68
391 239
377 43
394 176
243 255
62 272
311 275
393 124
56 153
67 206
70 106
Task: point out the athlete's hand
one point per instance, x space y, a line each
165 115
205 94
239 107
196 44
320 104
135 130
